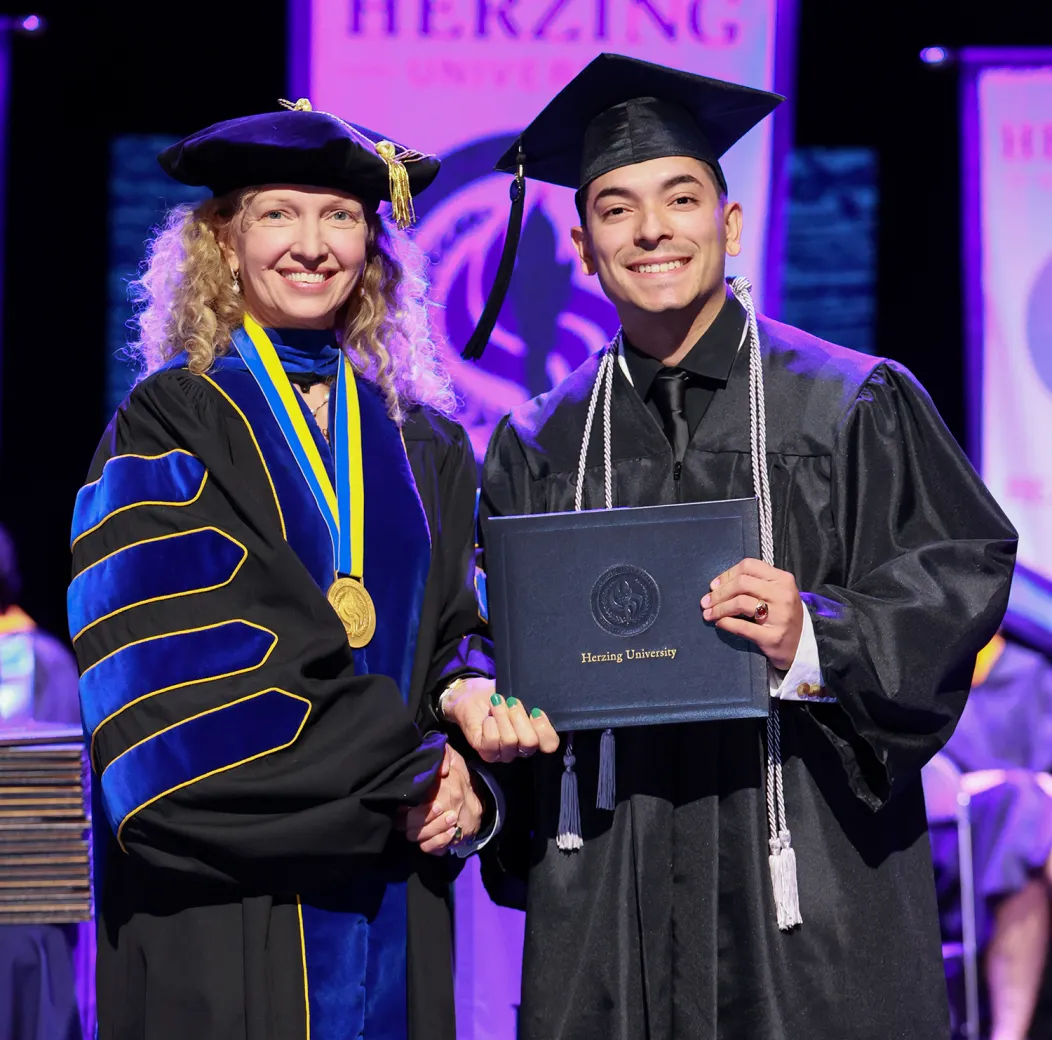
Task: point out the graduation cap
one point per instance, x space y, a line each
302 146
616 112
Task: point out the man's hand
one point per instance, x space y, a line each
499 730
735 595
452 805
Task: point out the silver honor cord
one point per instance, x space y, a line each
782 857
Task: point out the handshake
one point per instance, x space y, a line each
500 731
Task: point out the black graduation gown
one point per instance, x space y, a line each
663 925
250 765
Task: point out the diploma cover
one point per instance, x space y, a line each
597 620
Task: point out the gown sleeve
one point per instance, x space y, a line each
508 489
463 646
229 736
926 556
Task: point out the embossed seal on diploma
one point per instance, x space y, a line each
625 601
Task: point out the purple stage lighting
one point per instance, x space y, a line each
29 23
934 55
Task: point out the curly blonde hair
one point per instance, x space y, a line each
186 301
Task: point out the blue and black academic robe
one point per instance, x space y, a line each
248 765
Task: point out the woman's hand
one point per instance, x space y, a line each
499 730
453 806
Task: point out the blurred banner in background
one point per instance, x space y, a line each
459 78
1006 109
5 58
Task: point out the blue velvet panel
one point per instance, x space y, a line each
397 542
165 662
173 479
386 1016
481 595
305 530
397 560
158 568
356 964
205 744
337 946
356 950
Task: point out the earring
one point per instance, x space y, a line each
237 284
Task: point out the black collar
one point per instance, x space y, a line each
710 359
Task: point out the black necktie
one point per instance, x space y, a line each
670 393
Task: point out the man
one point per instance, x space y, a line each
891 570
1003 746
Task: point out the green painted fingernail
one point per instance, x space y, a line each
536 713
512 701
495 699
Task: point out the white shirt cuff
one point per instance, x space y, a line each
803 680
476 844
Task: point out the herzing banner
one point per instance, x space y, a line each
460 78
1011 178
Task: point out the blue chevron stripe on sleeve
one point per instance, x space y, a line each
151 570
199 747
175 478
159 664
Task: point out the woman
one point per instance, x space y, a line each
273 584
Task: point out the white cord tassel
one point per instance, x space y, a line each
606 795
568 838
782 859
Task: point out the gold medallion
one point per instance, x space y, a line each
354 607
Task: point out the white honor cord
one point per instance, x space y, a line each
605 376
782 859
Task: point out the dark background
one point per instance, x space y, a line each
117 67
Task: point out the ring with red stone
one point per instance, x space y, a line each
761 612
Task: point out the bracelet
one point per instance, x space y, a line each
447 691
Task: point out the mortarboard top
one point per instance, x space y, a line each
616 112
301 146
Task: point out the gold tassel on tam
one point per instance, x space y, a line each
397 175
401 199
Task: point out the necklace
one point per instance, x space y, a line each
305 392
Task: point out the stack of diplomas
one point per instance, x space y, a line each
44 860
597 619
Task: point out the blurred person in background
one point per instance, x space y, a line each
1003 747
38 683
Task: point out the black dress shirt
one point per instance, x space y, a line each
708 364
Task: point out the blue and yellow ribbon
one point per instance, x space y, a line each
343 506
